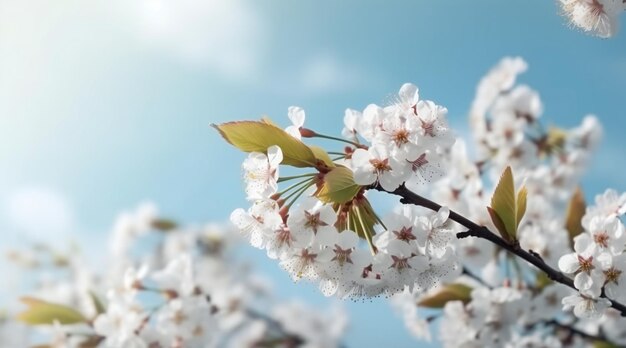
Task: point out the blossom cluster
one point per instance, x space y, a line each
597 17
188 290
598 261
324 240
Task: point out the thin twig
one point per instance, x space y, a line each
574 331
480 280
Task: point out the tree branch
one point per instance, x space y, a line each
574 331
474 230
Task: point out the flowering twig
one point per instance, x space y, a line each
474 230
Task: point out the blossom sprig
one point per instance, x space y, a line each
317 226
598 262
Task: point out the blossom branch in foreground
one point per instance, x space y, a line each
474 230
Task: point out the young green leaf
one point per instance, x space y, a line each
322 155
338 186
575 212
40 312
506 209
257 136
521 205
503 204
450 292
498 223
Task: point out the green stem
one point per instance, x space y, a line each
359 146
298 193
286 178
293 186
366 233
379 221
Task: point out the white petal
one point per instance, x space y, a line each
582 281
296 115
569 263
274 156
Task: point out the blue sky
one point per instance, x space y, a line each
107 104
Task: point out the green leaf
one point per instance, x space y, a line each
338 186
521 206
575 211
499 224
506 209
322 155
164 225
503 203
40 312
450 292
97 303
257 136
266 119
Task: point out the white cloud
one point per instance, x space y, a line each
226 36
40 214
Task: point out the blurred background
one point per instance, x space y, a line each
105 104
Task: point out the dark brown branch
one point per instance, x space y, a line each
474 230
480 280
576 332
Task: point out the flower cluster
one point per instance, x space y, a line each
407 140
598 261
321 236
597 17
187 291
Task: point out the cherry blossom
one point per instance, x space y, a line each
261 173
598 17
586 306
297 116
375 166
